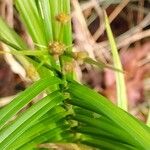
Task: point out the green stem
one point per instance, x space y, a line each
25 52
101 65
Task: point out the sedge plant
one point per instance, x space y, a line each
69 112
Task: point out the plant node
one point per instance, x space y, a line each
67 95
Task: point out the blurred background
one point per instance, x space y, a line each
130 22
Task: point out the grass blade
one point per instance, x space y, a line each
26 120
54 12
40 127
32 20
104 128
10 37
46 17
54 135
99 104
105 143
24 98
120 80
67 35
101 65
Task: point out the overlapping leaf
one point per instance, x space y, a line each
132 130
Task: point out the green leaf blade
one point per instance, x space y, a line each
8 135
120 80
32 20
88 99
46 17
24 98
10 37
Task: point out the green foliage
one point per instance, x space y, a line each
96 103
68 111
24 98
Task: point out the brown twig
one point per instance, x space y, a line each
127 35
112 16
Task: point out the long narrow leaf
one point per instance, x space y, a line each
54 12
10 37
120 80
67 35
32 20
93 101
55 135
39 128
24 98
110 129
10 134
106 144
46 17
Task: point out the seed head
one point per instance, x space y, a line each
80 55
68 67
63 18
57 48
